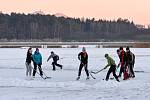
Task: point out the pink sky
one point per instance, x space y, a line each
136 10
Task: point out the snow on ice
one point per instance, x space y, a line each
63 85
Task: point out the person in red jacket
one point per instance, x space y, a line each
83 57
123 68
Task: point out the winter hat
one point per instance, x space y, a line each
83 49
121 48
127 48
52 52
106 55
118 50
37 49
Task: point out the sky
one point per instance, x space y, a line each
134 10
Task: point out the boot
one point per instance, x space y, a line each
87 78
61 67
133 76
117 80
78 78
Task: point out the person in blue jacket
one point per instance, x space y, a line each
37 61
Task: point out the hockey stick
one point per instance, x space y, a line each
92 75
62 58
44 74
97 71
38 73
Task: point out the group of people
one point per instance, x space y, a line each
36 58
126 64
127 61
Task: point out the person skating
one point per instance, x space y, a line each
123 68
37 61
130 62
55 59
112 68
28 62
83 57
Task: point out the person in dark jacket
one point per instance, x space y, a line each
37 61
55 59
112 68
28 62
130 62
83 57
118 53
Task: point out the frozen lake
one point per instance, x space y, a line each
62 85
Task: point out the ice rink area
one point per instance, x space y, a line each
63 85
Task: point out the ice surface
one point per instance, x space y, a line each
62 86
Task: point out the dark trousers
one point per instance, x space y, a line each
113 70
55 64
85 68
122 69
35 69
130 66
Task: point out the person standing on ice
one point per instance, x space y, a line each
112 68
130 62
28 62
83 57
55 59
37 61
123 68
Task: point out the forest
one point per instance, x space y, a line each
37 27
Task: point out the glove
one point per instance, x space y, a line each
41 63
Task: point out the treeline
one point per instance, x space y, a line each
33 27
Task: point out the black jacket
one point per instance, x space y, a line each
54 56
83 57
130 57
29 58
